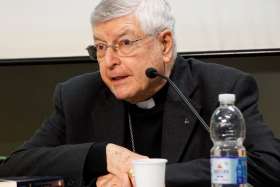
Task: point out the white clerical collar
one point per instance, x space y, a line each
148 104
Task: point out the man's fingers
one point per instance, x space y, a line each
126 180
111 180
131 177
103 180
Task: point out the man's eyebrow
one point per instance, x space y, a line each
123 33
96 38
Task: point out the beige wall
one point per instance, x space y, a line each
37 28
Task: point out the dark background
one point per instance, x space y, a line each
27 85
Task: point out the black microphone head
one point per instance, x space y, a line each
151 73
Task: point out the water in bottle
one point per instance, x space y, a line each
228 155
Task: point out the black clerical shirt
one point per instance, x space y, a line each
146 127
147 130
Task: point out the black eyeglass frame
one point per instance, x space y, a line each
92 51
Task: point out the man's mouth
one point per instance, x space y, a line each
119 78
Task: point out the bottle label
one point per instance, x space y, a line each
228 170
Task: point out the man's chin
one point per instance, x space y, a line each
125 97
121 95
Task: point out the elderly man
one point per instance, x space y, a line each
104 120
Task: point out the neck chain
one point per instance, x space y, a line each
131 132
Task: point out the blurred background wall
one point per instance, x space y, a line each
43 42
40 28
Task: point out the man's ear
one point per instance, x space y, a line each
166 39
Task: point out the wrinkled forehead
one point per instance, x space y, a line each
125 25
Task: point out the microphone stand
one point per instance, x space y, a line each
152 73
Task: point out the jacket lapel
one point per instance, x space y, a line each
178 120
109 118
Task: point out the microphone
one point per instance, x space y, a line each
152 73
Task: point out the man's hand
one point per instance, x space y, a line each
111 180
119 159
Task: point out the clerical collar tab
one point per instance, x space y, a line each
148 104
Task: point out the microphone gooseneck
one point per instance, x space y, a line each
152 73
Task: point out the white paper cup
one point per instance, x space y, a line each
149 172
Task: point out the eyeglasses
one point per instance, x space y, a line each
123 48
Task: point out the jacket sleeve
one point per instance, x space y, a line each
263 149
47 154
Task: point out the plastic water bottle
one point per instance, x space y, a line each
228 155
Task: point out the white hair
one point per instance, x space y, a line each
154 15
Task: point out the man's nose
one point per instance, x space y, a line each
111 57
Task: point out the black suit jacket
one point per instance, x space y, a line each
86 112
